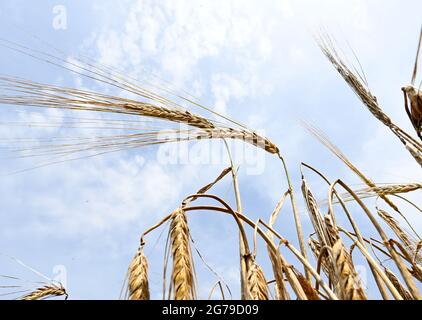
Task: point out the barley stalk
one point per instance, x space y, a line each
138 277
337 152
394 255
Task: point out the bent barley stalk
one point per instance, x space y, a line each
138 277
315 247
182 277
46 292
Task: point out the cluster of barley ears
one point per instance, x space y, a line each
330 274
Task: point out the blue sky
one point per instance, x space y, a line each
255 61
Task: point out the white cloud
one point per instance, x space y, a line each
224 88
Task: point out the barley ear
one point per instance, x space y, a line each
182 277
348 286
400 288
257 285
46 292
138 277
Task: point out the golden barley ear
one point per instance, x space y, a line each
46 292
348 286
256 283
138 277
182 276
400 233
397 284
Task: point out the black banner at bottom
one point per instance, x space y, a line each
204 309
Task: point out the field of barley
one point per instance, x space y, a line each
220 150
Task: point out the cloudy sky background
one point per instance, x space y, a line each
255 61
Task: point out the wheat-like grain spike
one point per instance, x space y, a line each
45 292
400 288
257 285
348 286
138 277
182 276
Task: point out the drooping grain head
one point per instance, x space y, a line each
257 284
182 277
400 233
348 286
48 96
400 288
46 292
138 277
